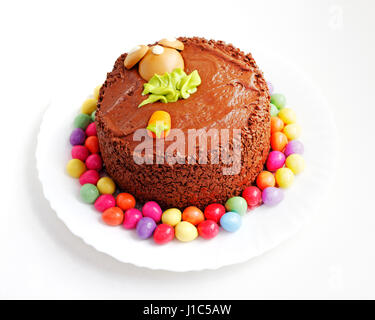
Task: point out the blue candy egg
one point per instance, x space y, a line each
231 221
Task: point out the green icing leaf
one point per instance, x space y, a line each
170 87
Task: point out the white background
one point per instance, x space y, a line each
44 45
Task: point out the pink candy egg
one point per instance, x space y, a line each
152 210
276 160
90 176
80 152
91 130
131 218
104 202
94 162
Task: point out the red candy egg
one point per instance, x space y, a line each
214 211
80 152
92 143
252 195
104 202
90 176
94 162
91 130
208 229
163 233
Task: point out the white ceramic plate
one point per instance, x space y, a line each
262 229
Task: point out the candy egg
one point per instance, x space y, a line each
104 202
171 216
75 168
252 195
152 210
295 162
287 115
294 146
193 215
92 143
80 152
160 60
89 193
82 121
94 162
113 216
292 131
89 106
96 92
90 176
172 43
276 160
131 218
271 196
270 87
284 177
145 227
214 212
125 201
91 129
135 55
231 221
208 229
273 110
278 100
185 231
77 137
277 124
236 204
106 185
278 141
163 233
265 179
159 124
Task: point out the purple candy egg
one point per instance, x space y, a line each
145 227
276 160
271 196
294 146
270 87
77 137
152 210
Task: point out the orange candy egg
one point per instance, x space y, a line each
113 216
277 125
193 215
265 179
278 141
125 201
92 143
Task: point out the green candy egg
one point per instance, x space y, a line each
82 121
278 100
236 204
89 193
93 116
274 110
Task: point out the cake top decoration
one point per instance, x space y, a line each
134 56
171 86
172 43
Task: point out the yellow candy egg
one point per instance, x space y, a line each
296 163
185 231
75 168
171 217
287 115
89 106
106 185
284 177
96 92
292 131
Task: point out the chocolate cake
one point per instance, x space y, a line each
233 95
